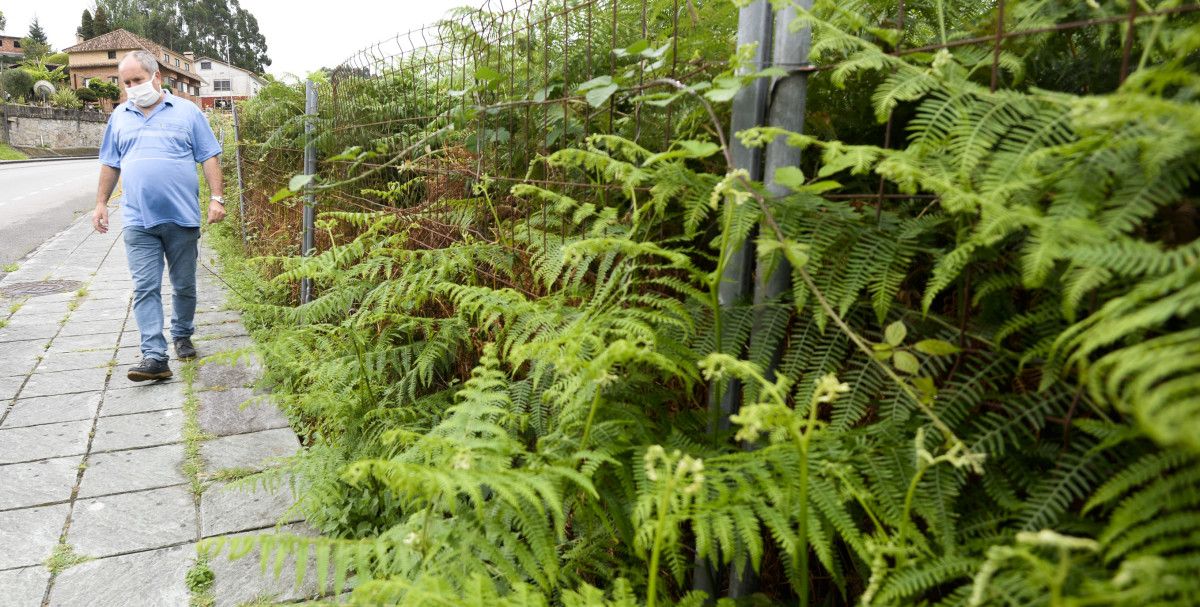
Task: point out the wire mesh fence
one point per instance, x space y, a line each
463 108
437 125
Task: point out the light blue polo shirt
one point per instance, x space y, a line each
157 156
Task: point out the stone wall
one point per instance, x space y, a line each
44 127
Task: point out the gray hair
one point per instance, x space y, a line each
145 58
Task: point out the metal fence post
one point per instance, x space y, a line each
772 281
749 110
787 106
237 142
310 168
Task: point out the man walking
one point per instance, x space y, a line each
153 141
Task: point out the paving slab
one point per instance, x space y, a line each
244 580
9 386
129 522
210 344
39 483
20 356
216 317
52 409
23 587
254 450
27 332
114 313
83 343
151 578
74 361
230 507
33 316
92 327
141 398
120 432
237 411
31 443
219 373
65 382
28 535
133 470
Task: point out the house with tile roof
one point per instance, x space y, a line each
98 58
224 83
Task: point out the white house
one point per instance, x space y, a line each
223 83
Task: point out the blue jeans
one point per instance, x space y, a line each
146 249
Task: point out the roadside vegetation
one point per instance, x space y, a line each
979 386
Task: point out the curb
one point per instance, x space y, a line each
52 159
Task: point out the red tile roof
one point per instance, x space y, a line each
118 40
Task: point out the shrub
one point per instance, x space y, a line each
87 94
105 90
16 83
65 98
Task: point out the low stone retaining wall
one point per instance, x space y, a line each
45 127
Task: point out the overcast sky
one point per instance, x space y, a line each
301 37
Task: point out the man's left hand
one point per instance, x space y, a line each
216 212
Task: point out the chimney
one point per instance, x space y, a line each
78 38
189 55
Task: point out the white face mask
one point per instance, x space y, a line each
144 94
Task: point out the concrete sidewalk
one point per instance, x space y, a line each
125 475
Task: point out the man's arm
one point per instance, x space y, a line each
212 174
108 182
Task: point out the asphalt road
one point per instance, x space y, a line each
40 199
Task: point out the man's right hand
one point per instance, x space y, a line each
100 218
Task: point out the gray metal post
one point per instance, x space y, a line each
310 168
786 110
788 100
749 110
237 142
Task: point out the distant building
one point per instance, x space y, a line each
99 56
10 49
225 83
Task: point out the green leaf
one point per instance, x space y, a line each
789 177
486 73
598 81
926 387
819 187
282 194
895 333
597 96
635 48
699 149
906 362
298 182
936 347
723 89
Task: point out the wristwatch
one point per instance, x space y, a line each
219 200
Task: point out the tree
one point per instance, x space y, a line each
87 26
220 28
16 83
36 32
100 22
32 49
3 21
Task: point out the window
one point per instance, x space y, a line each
177 62
187 67
16 44
206 65
112 54
112 79
166 58
222 85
